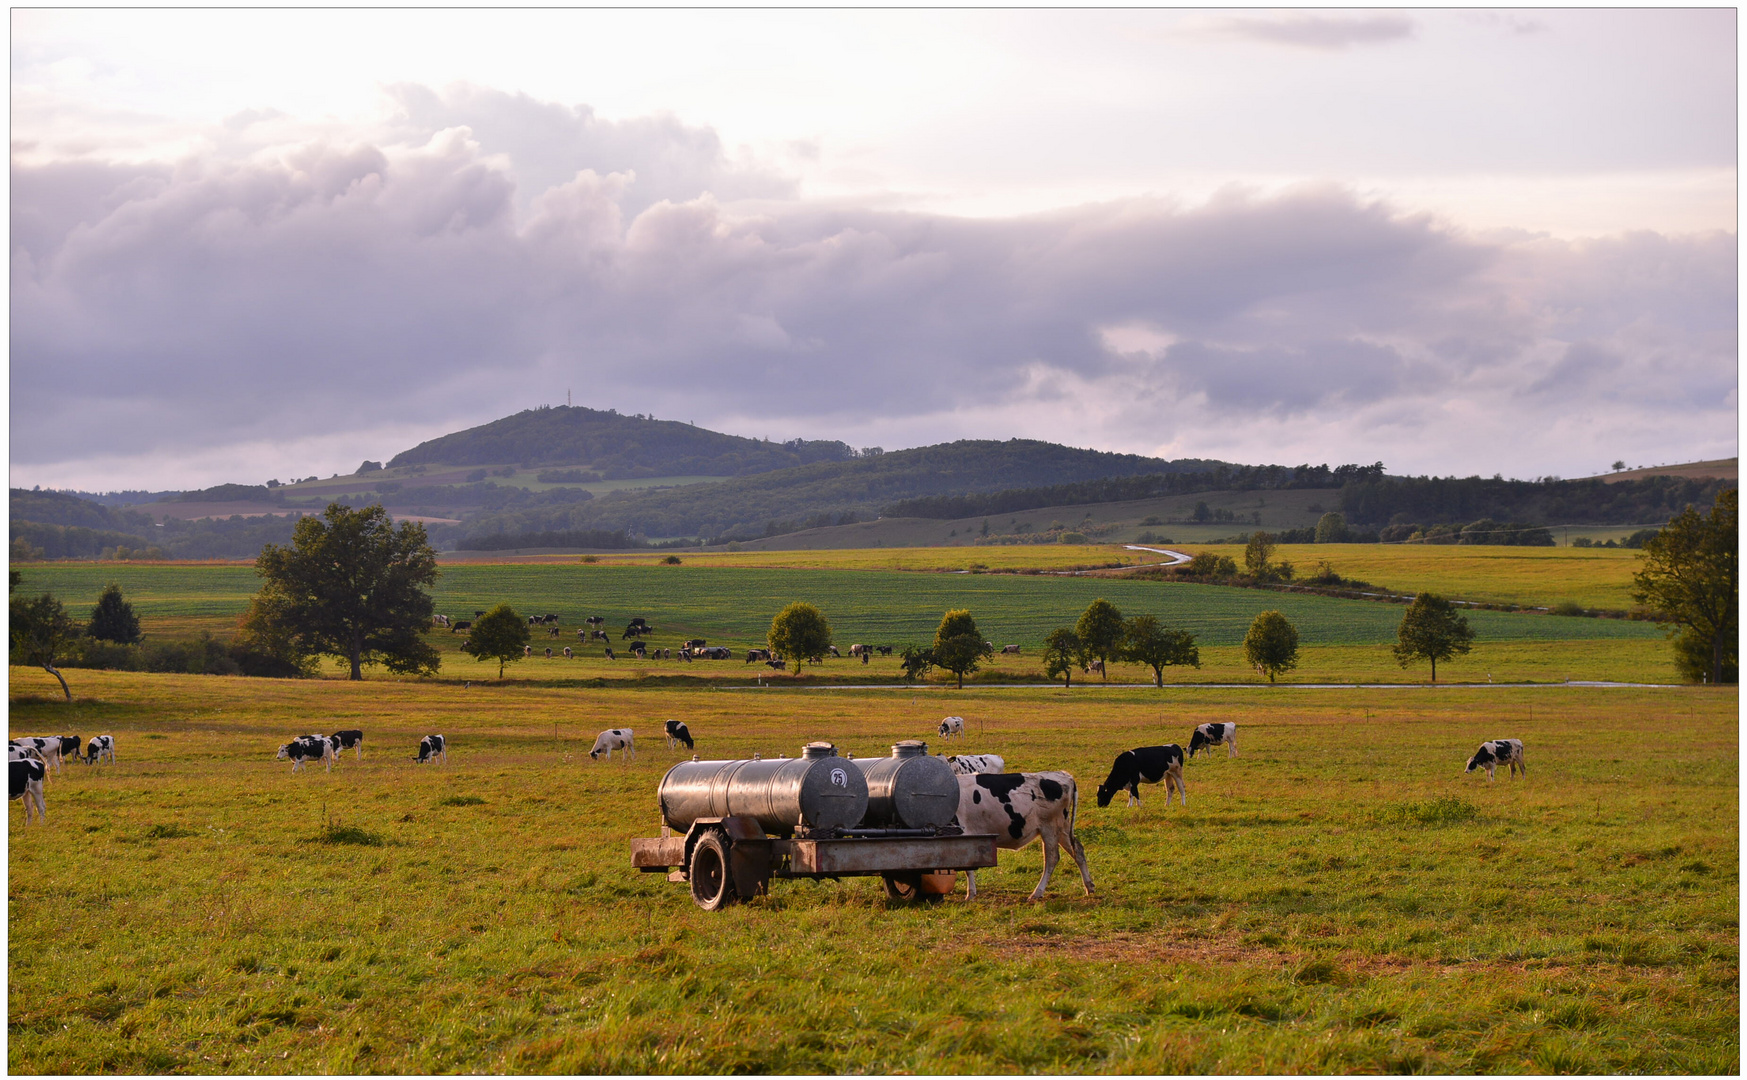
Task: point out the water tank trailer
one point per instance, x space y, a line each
729 827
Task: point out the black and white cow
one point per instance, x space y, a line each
952 725
832 649
309 748
49 749
1009 650
432 748
757 656
885 650
1019 808
610 655
70 746
598 635
777 665
971 764
1208 736
102 746
459 625
1499 752
594 621
694 644
548 653
678 733
350 739
614 739
567 653
1145 765
24 781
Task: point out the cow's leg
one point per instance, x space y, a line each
1051 852
970 888
42 810
1231 744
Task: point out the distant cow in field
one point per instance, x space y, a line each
678 733
610 655
24 781
351 739
694 644
548 652
598 635
971 764
614 739
952 725
594 621
102 746
527 650
1498 752
1019 808
832 649
715 652
1009 650
308 748
431 748
1145 765
1208 736
552 631
460 625
857 650
548 619
567 653
885 650
1095 665
757 656
777 665
439 620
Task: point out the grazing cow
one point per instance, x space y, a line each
971 764
857 650
552 631
1018 808
548 652
716 652
777 665
431 748
102 746
70 746
49 749
678 733
1095 665
614 739
832 649
598 635
308 748
639 648
1145 765
610 655
549 619
24 781
885 650
459 625
694 644
1208 736
757 656
1499 752
1009 650
952 725
667 654
594 620
532 619
527 650
439 620
567 653
351 739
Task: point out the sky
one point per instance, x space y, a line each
267 244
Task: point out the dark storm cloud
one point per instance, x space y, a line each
345 289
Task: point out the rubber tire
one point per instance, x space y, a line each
907 886
712 879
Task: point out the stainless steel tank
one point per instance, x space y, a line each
817 790
910 789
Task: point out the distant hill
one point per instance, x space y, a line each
616 446
828 493
1720 469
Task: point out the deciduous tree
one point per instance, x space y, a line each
1063 653
799 632
1272 644
1257 553
500 634
1146 641
41 629
1100 632
958 644
1689 580
352 585
1432 629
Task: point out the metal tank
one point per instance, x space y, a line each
817 790
910 789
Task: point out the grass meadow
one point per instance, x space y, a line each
1339 898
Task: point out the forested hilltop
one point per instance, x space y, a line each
617 447
57 525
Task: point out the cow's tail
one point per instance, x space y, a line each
1073 808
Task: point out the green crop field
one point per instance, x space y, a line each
733 606
1338 898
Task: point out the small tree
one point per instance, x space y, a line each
1063 651
113 618
916 661
1689 580
958 644
1147 642
500 634
1272 644
41 629
1331 528
799 632
1100 631
1619 466
1432 629
352 586
1257 553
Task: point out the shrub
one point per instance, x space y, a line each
1570 608
1073 538
1640 538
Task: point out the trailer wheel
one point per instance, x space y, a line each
712 881
908 886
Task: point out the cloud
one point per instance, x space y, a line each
1327 33
342 294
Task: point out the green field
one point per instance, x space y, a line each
734 605
1339 898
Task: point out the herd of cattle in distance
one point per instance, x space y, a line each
692 649
28 761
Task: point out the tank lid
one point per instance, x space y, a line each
818 750
909 748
